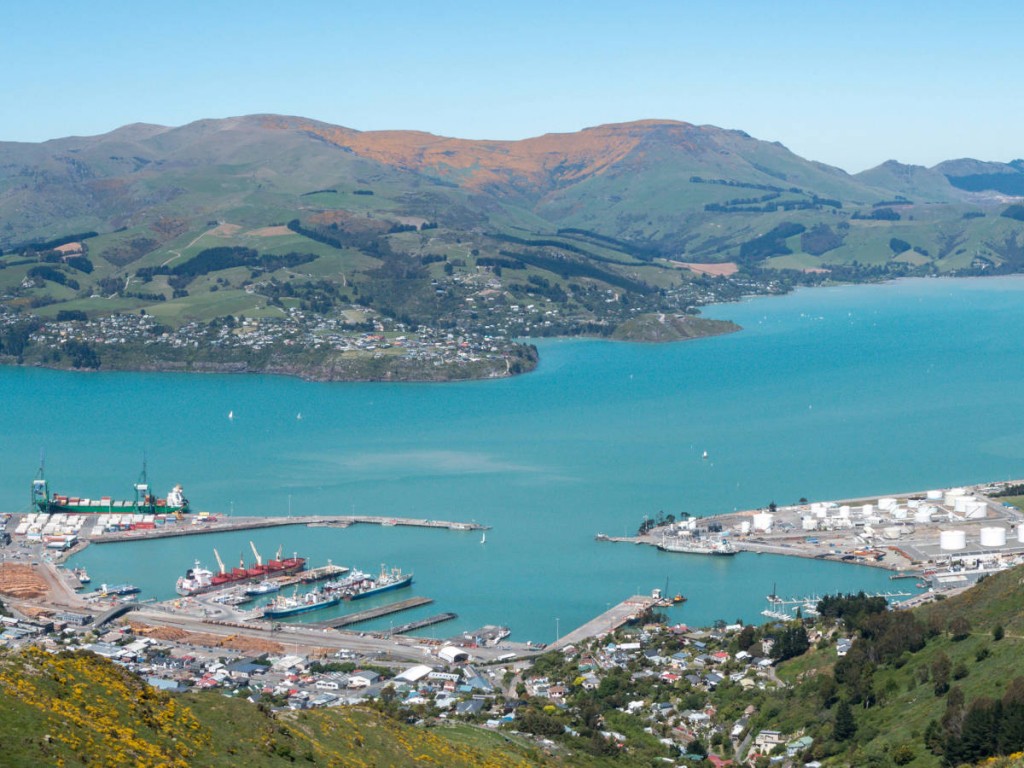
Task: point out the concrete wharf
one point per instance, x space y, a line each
195 525
373 613
412 626
321 573
626 611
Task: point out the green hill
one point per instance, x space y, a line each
587 229
941 685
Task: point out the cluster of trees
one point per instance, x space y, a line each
820 239
567 269
879 214
54 275
987 727
771 243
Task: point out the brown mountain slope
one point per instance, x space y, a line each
537 162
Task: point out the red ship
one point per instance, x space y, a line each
199 579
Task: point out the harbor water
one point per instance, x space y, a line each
826 393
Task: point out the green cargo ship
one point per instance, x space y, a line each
144 503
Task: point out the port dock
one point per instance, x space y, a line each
626 611
193 525
373 613
430 621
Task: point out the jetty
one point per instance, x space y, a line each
373 613
430 621
626 611
192 525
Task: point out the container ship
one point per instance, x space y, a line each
198 579
284 606
144 503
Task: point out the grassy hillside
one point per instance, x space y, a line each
917 689
79 710
587 230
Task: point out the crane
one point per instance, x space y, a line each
259 560
220 563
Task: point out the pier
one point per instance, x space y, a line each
373 613
626 611
430 621
192 525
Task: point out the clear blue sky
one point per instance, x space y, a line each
850 84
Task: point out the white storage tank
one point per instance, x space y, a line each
993 537
923 515
952 495
745 527
809 523
763 521
899 513
886 503
975 510
1020 533
892 532
913 503
952 540
867 510
934 495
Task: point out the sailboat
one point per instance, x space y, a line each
231 415
483 537
298 416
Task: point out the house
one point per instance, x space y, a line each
469 707
843 645
767 740
362 679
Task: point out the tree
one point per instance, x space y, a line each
998 632
845 726
959 628
941 669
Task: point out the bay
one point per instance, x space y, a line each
826 393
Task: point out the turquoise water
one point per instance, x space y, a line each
827 393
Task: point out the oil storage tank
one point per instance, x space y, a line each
950 541
993 537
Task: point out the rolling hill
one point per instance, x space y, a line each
588 229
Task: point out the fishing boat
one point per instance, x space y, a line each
82 575
295 604
144 502
263 588
385 582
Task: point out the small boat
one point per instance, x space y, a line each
231 415
483 538
82 575
704 455
263 588
298 416
678 599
